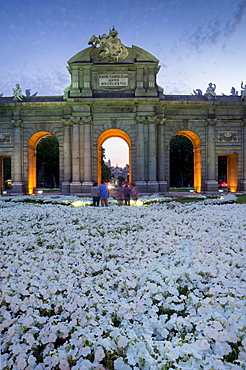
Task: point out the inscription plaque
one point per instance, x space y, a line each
113 79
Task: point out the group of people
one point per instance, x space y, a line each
123 193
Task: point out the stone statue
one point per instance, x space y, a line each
109 46
234 92
197 92
17 92
243 93
210 92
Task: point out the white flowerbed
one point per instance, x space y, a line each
157 287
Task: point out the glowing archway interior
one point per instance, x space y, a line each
107 135
197 158
32 146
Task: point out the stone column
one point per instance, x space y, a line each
67 160
17 185
87 183
75 186
161 168
211 184
140 143
152 184
243 181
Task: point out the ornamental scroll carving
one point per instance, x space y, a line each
228 136
5 138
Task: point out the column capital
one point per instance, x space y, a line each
161 121
76 120
16 123
212 121
141 120
66 122
86 120
152 119
243 122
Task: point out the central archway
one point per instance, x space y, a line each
197 158
107 135
32 146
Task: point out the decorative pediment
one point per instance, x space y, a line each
91 55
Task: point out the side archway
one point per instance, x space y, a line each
196 142
107 135
32 148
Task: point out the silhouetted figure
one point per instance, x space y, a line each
127 195
134 192
94 194
120 194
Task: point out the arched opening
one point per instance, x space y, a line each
181 162
197 158
32 148
228 171
113 133
47 163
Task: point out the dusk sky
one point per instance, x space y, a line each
196 41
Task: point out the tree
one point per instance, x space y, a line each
181 162
48 161
106 172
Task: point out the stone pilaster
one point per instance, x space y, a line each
152 184
87 155
140 141
75 186
140 91
86 91
67 156
211 184
17 165
75 91
161 170
243 180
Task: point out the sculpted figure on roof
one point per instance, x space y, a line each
109 46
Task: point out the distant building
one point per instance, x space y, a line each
119 171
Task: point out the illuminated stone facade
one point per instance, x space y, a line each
110 97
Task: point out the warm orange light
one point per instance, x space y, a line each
32 145
197 158
107 135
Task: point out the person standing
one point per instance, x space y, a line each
134 193
127 194
94 194
120 194
103 193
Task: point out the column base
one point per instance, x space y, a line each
65 187
243 185
75 187
211 185
17 188
152 187
162 186
86 186
141 185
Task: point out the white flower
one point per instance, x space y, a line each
99 354
119 364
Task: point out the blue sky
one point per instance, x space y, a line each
196 41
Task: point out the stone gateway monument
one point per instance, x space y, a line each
113 93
